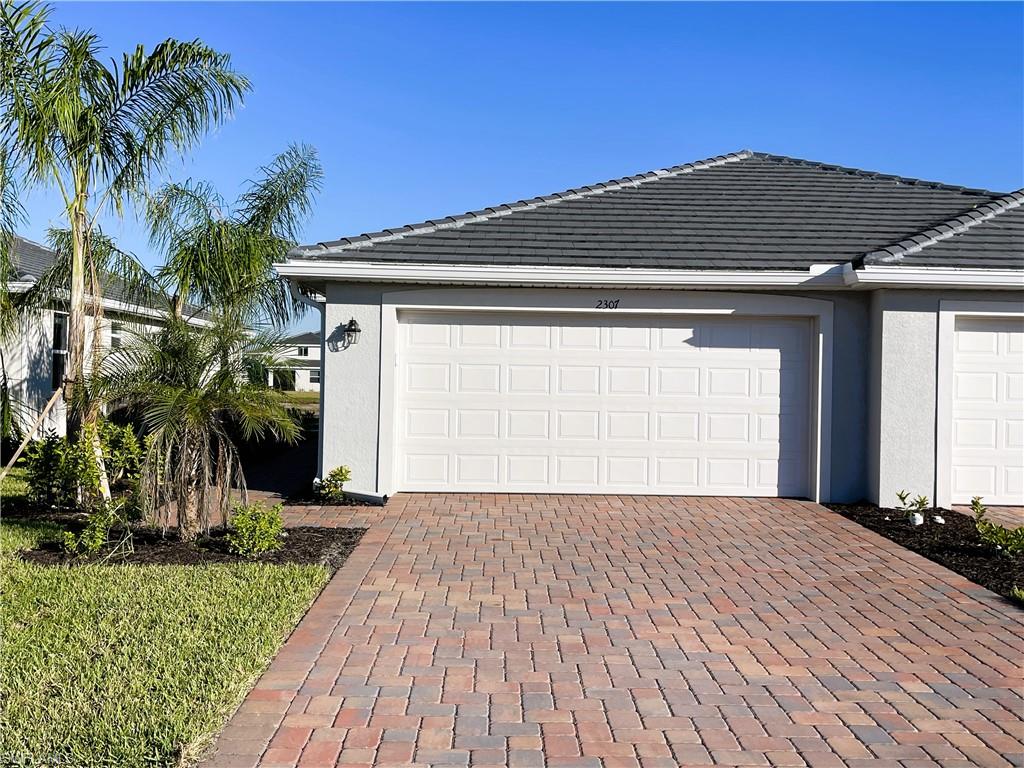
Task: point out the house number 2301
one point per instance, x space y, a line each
607 304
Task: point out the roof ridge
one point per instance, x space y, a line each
943 231
459 220
850 171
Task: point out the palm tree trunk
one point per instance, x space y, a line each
189 498
188 513
75 370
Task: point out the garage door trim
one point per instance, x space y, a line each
949 312
625 302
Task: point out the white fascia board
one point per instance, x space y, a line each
819 276
932 277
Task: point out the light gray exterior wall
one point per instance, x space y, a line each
884 372
903 406
351 387
350 391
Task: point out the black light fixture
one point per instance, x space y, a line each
352 331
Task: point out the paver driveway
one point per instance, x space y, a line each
624 631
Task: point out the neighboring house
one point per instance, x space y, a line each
35 360
749 325
302 355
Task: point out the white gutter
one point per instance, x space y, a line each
819 276
932 277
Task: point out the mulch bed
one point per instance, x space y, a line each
303 545
955 544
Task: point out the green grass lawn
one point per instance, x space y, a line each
133 665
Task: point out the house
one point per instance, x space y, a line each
34 361
301 352
749 325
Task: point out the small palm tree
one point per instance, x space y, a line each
192 388
98 131
220 255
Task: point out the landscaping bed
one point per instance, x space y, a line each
954 544
140 665
305 545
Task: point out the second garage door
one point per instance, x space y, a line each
583 404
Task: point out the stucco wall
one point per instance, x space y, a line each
351 391
350 396
903 388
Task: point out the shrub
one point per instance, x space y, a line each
255 529
63 475
57 469
332 488
122 453
97 529
1010 542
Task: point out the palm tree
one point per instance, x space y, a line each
192 388
98 131
11 214
220 255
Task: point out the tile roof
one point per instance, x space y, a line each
31 260
991 235
745 210
307 337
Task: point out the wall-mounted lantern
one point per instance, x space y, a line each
352 331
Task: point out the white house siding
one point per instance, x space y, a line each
903 389
352 405
29 359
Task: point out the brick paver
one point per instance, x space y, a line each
634 631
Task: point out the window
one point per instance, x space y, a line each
314 377
303 351
116 329
60 350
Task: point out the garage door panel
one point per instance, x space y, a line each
988 396
583 404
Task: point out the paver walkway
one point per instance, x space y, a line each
635 631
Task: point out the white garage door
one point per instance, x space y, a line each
584 404
988 410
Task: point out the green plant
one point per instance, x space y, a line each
122 452
332 488
135 666
98 132
99 523
1008 541
58 471
1017 594
221 254
255 529
190 389
910 507
62 474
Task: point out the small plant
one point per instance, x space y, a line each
95 534
1006 540
1017 594
255 529
913 509
332 488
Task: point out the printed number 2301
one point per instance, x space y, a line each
607 304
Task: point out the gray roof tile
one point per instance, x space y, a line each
745 210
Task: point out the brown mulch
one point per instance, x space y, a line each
955 544
304 545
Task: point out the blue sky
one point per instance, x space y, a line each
423 110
